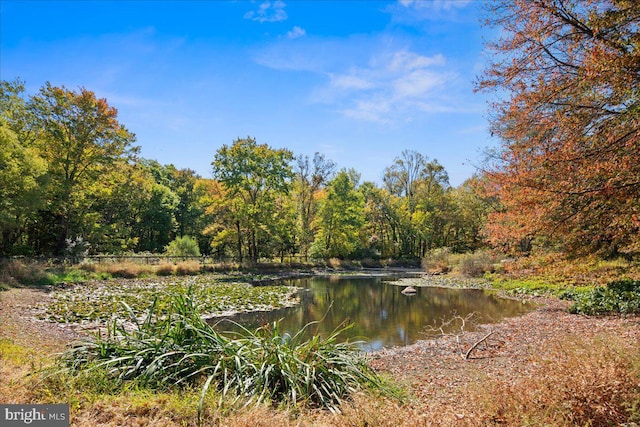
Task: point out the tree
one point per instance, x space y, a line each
310 178
341 217
570 162
81 139
254 175
22 176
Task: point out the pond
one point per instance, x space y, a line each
382 315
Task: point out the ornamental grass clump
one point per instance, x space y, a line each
174 347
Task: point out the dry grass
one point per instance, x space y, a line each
165 269
187 268
16 272
125 270
587 382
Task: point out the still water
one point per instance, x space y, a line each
381 314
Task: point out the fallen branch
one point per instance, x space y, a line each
473 347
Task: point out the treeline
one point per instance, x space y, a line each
71 180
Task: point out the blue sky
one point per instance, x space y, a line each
358 81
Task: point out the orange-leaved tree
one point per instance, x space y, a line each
569 164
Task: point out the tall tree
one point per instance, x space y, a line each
570 126
341 217
22 170
255 175
310 177
81 140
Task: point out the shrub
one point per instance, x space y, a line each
183 246
175 347
16 272
617 297
437 261
126 270
476 264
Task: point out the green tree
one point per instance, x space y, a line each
255 176
341 217
310 179
420 184
22 177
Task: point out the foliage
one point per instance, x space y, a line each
570 156
183 246
81 139
16 272
254 178
438 260
69 170
476 264
340 218
76 249
176 347
617 297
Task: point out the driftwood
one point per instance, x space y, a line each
445 324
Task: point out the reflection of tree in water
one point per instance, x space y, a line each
379 311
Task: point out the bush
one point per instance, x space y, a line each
165 269
15 272
183 246
175 347
437 261
476 264
617 297
126 270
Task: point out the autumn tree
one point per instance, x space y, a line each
569 167
81 140
255 175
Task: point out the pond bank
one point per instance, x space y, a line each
523 353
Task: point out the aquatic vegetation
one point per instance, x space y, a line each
102 301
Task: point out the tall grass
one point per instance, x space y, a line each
175 347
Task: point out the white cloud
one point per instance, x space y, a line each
351 81
435 4
268 12
296 32
393 87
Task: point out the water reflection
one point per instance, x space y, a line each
382 315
